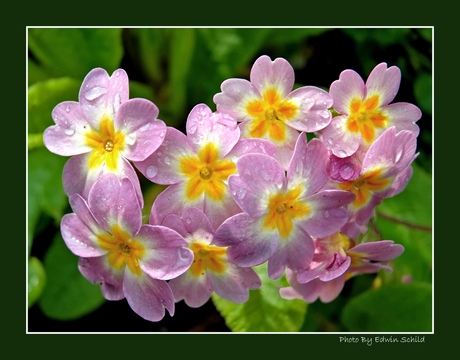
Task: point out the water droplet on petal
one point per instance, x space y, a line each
188 221
192 129
241 193
70 130
95 92
145 127
151 171
330 141
167 160
67 108
326 214
131 138
247 171
341 153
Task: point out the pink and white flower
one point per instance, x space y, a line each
103 131
127 258
197 166
337 258
267 107
385 172
281 213
211 270
365 110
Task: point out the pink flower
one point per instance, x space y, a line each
385 172
103 131
197 166
366 111
268 109
127 258
281 213
211 269
337 258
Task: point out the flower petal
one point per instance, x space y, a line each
339 140
144 133
194 290
165 254
164 165
99 271
148 297
383 82
403 116
250 244
349 86
67 138
278 74
313 104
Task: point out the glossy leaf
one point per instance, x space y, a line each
36 280
397 308
75 51
265 311
68 295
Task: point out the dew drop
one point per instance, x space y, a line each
162 134
188 221
151 171
192 129
67 108
145 127
330 141
167 160
341 153
247 171
326 214
241 194
70 130
95 92
131 138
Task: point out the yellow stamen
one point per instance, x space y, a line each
207 257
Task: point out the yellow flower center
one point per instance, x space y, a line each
123 250
364 117
269 116
207 257
206 173
362 186
107 144
283 208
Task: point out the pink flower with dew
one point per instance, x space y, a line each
211 269
103 131
197 166
337 258
385 172
366 111
281 213
127 258
268 109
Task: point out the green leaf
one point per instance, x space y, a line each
75 51
423 88
44 96
68 295
265 311
397 308
407 219
45 190
36 280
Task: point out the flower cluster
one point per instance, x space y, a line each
244 186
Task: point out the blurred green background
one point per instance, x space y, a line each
177 68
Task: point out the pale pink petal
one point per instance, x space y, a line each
113 204
148 297
163 165
327 214
218 211
253 145
250 244
67 137
235 96
343 169
294 252
350 86
173 200
313 104
383 82
257 175
193 221
101 95
166 255
307 165
384 250
399 183
194 290
144 133
204 127
98 271
278 74
328 270
403 116
339 140
234 284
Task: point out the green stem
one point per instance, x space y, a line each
405 223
